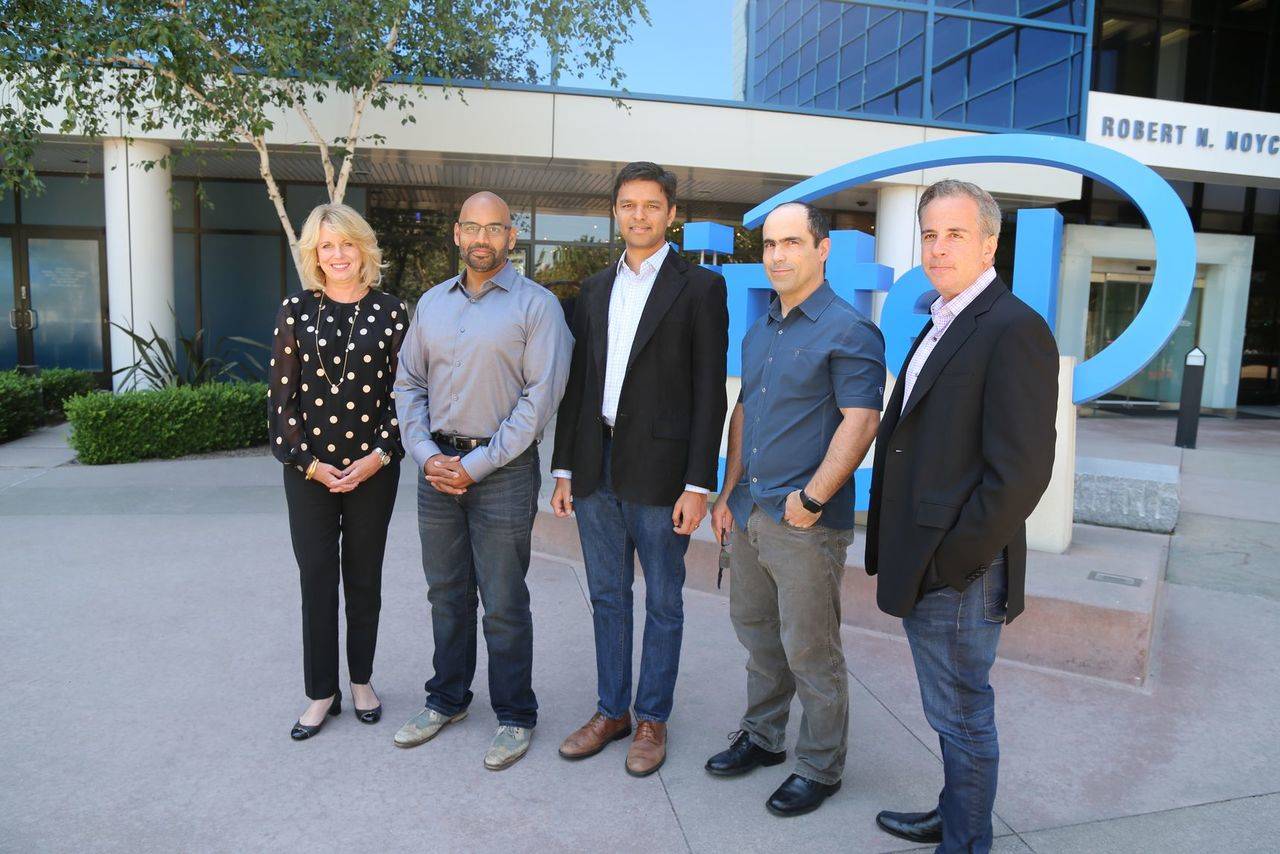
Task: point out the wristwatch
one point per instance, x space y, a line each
810 504
383 456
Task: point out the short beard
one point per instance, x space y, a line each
499 258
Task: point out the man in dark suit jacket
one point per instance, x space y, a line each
637 450
963 454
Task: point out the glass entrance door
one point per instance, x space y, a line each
8 305
57 292
1114 300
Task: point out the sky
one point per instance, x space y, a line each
687 50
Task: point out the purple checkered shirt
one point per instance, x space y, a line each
943 311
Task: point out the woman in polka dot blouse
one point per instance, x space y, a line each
333 425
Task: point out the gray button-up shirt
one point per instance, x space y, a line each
492 365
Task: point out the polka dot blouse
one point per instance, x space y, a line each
331 377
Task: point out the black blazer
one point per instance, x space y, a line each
958 472
671 411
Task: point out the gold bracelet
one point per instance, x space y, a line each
311 469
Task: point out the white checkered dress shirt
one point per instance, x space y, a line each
943 312
626 304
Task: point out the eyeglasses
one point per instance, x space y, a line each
493 229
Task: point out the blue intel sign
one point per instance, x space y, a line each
855 275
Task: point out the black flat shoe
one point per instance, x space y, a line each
799 795
923 827
742 756
300 732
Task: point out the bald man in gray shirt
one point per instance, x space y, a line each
482 369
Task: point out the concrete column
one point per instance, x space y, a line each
1049 527
139 245
897 236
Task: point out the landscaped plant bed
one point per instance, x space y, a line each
167 423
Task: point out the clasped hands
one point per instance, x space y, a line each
446 474
689 511
344 480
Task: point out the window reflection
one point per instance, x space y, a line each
862 58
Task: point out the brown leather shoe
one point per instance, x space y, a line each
648 749
593 736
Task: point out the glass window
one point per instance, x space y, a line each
1126 54
1238 68
1184 63
183 194
991 63
1140 7
1200 10
239 298
827 73
1058 11
6 208
240 205
579 228
300 199
1043 96
993 109
184 282
66 201
1266 214
1222 197
559 264
948 87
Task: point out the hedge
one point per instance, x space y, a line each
166 423
61 383
20 410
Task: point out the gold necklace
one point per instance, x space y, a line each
334 386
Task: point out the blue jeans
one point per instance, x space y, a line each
612 532
953 640
480 541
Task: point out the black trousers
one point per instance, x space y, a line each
339 533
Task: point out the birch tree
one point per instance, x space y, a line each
218 71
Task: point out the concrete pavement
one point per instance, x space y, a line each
150 617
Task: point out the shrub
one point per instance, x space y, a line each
59 384
168 422
20 410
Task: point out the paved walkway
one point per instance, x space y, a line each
149 616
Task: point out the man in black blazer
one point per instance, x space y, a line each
963 454
637 449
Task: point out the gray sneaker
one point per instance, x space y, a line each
424 726
509 744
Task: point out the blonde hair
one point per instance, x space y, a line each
350 224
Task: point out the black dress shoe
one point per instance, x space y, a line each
301 732
912 826
366 716
799 795
742 756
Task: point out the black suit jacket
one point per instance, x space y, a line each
671 411
959 470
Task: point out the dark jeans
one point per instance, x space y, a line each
339 533
953 640
479 542
612 532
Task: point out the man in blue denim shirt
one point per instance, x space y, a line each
812 386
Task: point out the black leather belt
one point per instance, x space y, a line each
462 443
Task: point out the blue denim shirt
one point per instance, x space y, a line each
797 374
